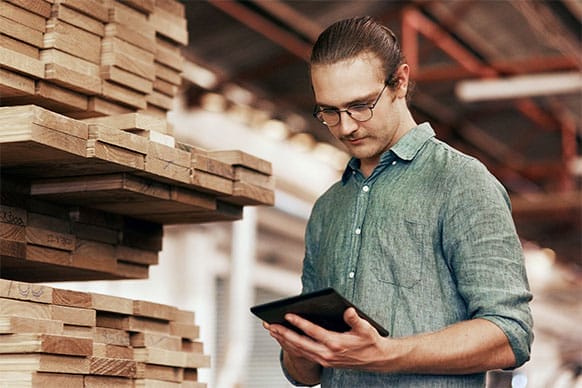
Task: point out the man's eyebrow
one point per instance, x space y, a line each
358 100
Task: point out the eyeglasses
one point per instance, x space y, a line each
358 112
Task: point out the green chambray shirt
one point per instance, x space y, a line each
425 241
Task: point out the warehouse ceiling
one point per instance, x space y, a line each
527 130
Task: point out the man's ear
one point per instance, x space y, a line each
402 75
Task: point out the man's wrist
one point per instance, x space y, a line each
302 370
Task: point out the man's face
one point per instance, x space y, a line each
360 81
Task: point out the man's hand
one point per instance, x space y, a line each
361 347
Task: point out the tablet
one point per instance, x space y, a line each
325 308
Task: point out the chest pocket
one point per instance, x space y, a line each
397 252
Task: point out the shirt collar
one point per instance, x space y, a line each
406 148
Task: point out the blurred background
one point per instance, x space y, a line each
499 80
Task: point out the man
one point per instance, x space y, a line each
417 234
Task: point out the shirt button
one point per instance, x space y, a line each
365 189
394 162
358 231
351 275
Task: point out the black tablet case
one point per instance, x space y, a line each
324 308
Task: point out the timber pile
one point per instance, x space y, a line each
55 337
91 58
42 241
104 164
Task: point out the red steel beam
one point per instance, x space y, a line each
264 27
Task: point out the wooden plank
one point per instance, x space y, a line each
122 94
169 54
184 316
52 97
112 351
155 136
119 138
19 46
214 166
21 32
14 325
13 215
11 289
40 362
69 61
185 330
168 74
23 16
21 63
94 256
48 255
123 14
165 87
171 172
197 360
253 177
126 78
143 308
12 250
45 343
130 35
72 298
91 8
52 138
111 336
114 304
131 121
195 199
127 56
78 19
48 238
137 256
212 183
42 221
129 270
98 106
18 119
241 158
159 372
192 346
73 80
170 26
115 154
169 154
20 308
247 194
15 85
39 7
95 233
160 100
156 341
73 40
73 315
173 7
79 331
160 356
11 232
40 379
91 381
144 6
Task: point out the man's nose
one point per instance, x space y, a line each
347 124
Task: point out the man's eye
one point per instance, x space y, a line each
358 107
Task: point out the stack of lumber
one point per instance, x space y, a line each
90 58
56 337
43 241
105 163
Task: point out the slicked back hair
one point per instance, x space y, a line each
348 38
